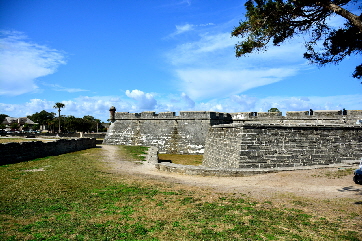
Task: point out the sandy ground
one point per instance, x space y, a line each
318 183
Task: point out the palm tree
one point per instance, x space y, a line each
58 106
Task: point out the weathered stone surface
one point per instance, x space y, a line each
14 152
267 146
183 134
245 139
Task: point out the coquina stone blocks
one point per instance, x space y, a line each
245 139
272 146
14 152
183 134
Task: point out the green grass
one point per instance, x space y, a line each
194 160
136 152
74 197
7 140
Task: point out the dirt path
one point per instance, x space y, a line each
314 191
319 183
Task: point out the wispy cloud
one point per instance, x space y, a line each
220 83
22 62
183 28
188 2
61 88
207 68
180 29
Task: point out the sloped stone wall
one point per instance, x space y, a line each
14 152
183 134
269 146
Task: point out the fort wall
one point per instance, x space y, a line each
183 134
272 146
14 152
245 139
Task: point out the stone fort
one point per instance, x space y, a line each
245 139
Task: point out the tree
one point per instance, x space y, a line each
14 126
278 20
274 110
42 118
58 106
92 123
2 117
70 123
35 127
26 127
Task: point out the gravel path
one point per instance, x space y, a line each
318 183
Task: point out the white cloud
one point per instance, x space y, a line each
217 83
207 68
22 62
180 29
98 106
202 52
61 88
243 103
183 28
145 101
189 102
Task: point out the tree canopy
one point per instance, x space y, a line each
2 117
66 124
278 20
273 110
42 117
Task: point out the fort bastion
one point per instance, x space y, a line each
245 139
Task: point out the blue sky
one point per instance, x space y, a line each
156 55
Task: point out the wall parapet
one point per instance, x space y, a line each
275 145
14 152
192 115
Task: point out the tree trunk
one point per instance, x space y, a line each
59 120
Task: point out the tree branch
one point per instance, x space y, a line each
354 19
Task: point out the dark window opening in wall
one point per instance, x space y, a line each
254 114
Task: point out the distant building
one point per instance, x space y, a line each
21 121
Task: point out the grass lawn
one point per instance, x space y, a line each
74 197
7 140
194 160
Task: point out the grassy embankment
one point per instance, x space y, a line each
74 197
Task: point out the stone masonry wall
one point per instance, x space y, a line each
183 134
14 152
188 132
270 146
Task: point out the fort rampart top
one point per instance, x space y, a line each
317 117
198 115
